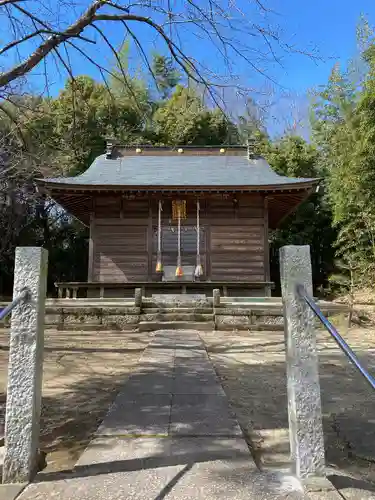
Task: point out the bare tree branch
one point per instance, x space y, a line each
51 43
234 30
119 63
7 2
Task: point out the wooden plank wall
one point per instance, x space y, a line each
120 236
232 246
237 239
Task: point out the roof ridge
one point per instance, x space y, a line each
118 150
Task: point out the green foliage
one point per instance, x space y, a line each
343 123
294 157
312 223
184 119
166 75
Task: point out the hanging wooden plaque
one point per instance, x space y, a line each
178 209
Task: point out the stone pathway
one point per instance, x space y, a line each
169 434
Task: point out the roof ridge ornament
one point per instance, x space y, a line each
109 149
250 143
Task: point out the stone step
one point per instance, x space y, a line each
89 328
149 326
176 316
196 310
250 328
176 304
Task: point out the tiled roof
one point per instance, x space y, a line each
179 171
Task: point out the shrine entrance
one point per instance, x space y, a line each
179 247
169 251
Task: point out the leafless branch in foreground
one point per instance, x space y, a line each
36 31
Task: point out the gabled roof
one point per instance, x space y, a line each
191 168
186 169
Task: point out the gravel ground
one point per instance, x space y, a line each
82 373
251 366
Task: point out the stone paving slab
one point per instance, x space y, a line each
191 402
204 425
145 414
159 359
193 354
11 491
353 489
143 402
150 469
185 365
199 388
148 384
196 377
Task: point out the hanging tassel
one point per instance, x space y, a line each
159 264
179 270
198 268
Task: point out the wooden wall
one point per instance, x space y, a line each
237 239
234 238
119 235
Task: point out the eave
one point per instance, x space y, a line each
62 186
78 200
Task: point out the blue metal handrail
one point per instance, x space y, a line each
24 294
336 336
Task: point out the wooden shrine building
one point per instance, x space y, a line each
186 218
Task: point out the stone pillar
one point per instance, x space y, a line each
138 297
25 366
304 404
216 297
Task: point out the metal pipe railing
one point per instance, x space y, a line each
24 294
336 336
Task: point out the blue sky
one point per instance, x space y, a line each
328 26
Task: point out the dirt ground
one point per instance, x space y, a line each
251 366
82 373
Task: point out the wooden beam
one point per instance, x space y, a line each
149 241
208 251
121 207
90 274
266 247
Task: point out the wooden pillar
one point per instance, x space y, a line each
149 242
90 274
267 272
207 237
121 207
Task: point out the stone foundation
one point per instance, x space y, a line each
241 318
78 314
108 318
